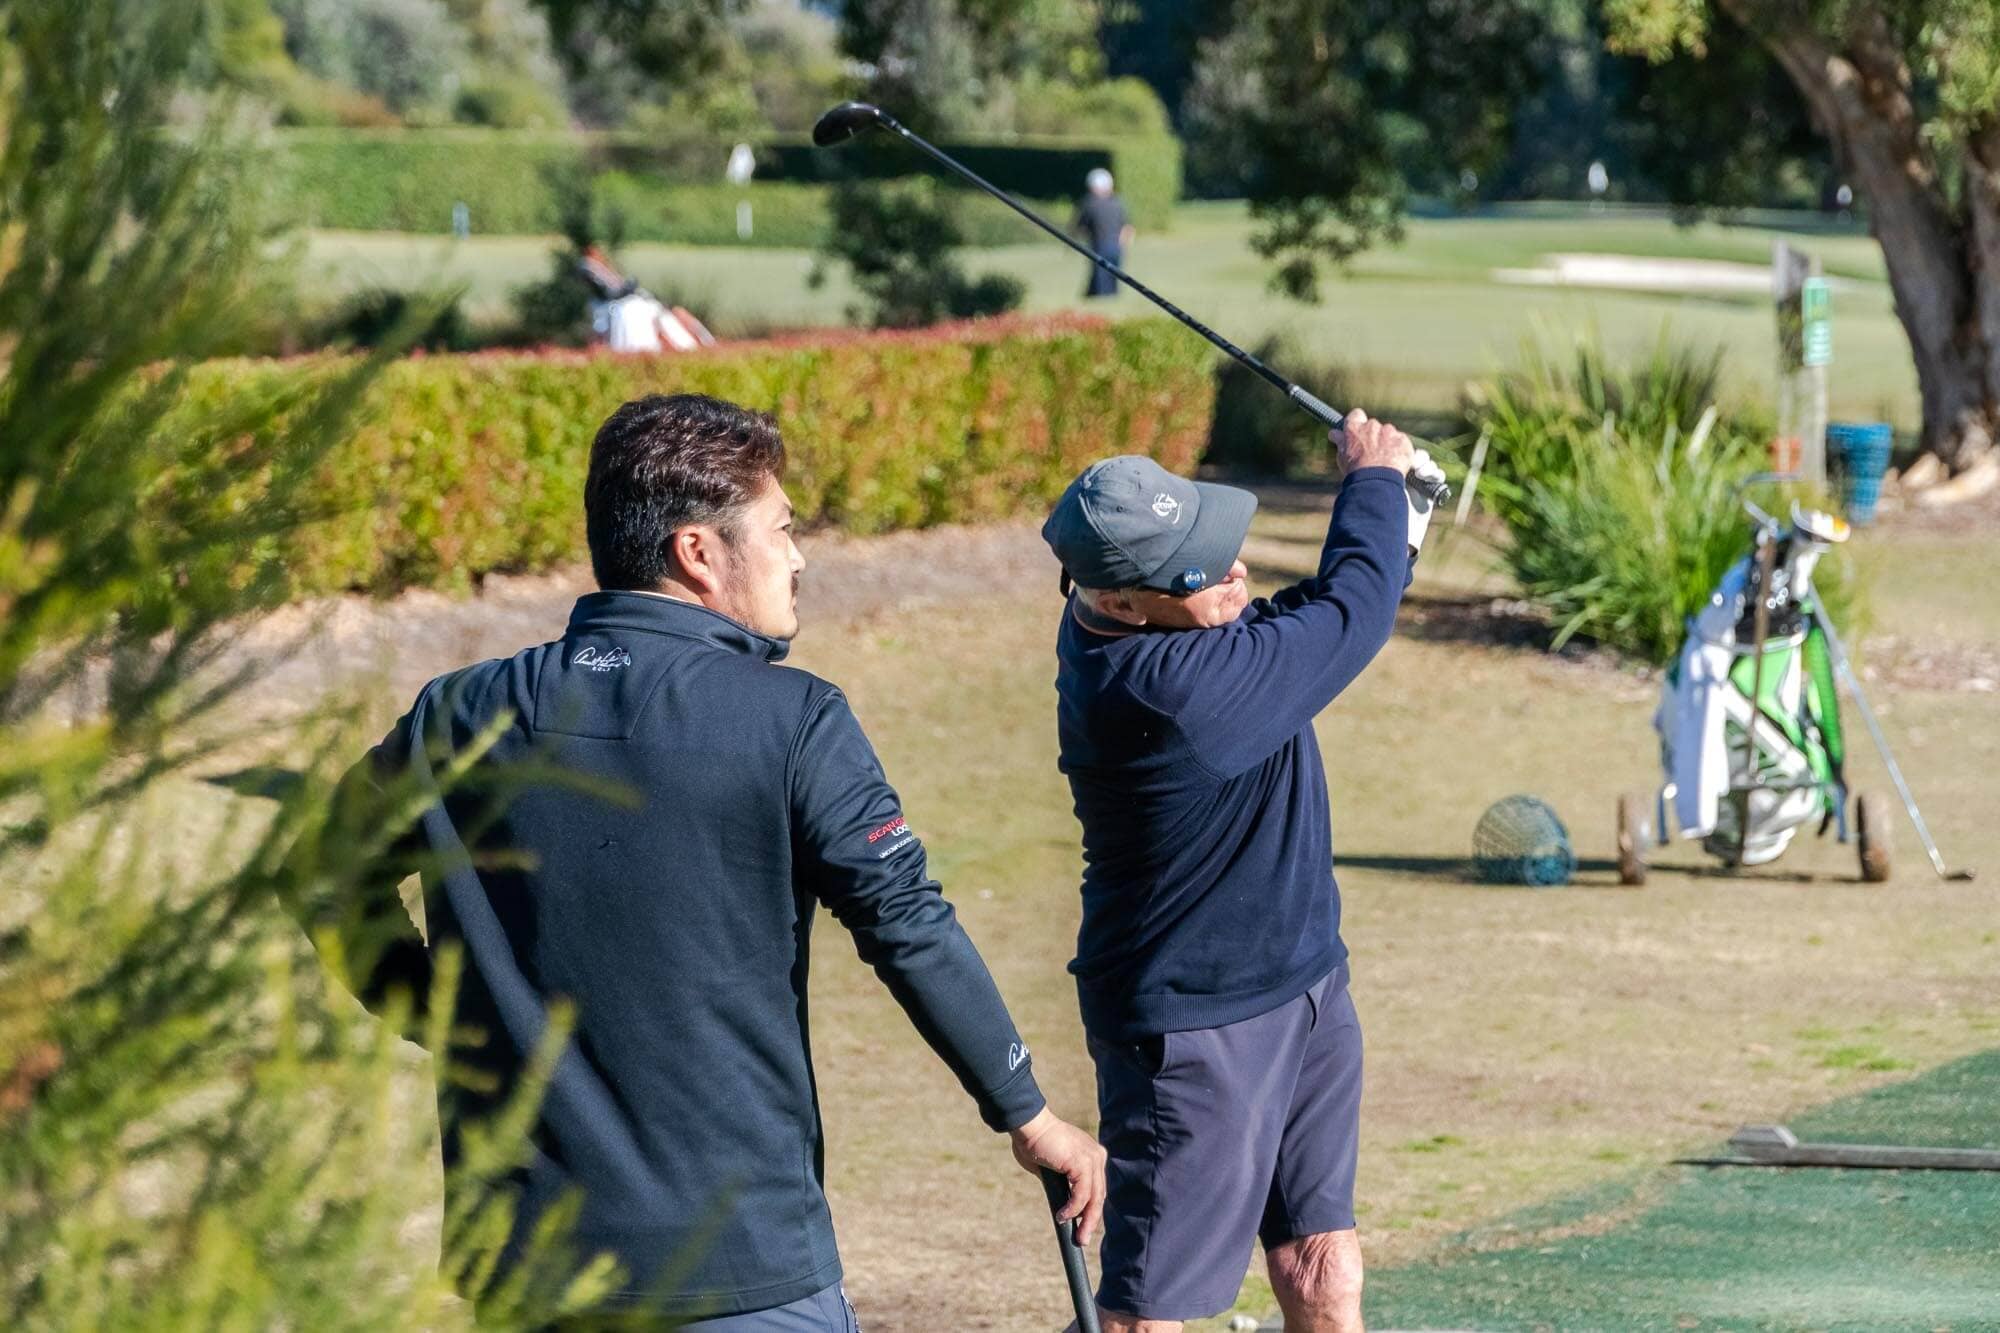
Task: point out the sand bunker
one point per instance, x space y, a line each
1642 274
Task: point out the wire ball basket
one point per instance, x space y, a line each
1519 840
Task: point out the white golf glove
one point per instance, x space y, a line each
1420 503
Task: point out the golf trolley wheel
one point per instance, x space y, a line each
1871 823
1634 831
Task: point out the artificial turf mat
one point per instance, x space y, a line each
1689 1247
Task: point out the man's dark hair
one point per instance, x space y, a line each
660 463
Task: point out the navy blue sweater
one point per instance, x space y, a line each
649 836
1208 891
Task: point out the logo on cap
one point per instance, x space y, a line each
1167 507
1191 580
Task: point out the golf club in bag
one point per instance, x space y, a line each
1056 1186
851 118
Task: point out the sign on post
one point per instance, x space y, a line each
1816 313
1805 348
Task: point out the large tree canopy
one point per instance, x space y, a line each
1331 110
666 41
1332 107
1907 92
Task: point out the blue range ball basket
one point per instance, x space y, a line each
1862 450
1519 840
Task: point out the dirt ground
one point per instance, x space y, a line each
1521 1042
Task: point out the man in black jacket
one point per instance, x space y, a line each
677 805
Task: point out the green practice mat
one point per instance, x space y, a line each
1689 1247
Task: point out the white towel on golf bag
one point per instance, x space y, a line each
637 322
1694 705
1690 725
1695 708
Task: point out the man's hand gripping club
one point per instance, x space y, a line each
1060 1146
1361 442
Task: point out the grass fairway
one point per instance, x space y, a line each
1409 323
1524 1045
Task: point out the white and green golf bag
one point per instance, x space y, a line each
1744 777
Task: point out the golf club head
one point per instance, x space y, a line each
844 122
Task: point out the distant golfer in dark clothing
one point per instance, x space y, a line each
680 807
1209 966
1101 222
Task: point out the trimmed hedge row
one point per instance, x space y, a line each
782 213
1148 169
465 465
409 180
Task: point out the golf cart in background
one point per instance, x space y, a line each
1742 776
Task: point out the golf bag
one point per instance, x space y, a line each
628 318
1749 722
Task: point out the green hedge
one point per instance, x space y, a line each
1148 169
408 180
465 465
782 213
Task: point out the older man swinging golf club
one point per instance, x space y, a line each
1210 968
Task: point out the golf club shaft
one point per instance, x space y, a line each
1056 1186
1882 744
1328 416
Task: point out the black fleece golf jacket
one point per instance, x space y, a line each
648 838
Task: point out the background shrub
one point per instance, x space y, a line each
404 52
1256 429
384 316
1534 413
470 464
1621 490
1147 166
897 241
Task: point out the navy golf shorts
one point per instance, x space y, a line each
1222 1135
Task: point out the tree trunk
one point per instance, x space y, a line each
1944 265
1982 188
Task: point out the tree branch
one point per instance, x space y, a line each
1861 97
1858 82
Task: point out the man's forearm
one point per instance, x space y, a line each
936 974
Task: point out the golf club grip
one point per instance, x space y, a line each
1081 1298
1330 417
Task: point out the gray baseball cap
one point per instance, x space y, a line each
1127 522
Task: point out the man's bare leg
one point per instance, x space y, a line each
1318 1282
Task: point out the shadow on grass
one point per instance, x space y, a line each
272 782
1483 620
1456 868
